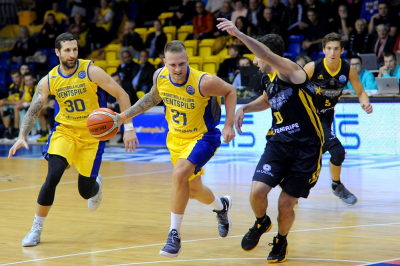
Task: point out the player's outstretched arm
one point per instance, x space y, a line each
40 97
211 85
287 70
258 105
359 89
150 99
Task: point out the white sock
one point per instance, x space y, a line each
176 221
39 219
217 204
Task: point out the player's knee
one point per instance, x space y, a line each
180 176
57 165
337 155
87 186
258 194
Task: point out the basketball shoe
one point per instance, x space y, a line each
279 251
94 202
173 246
224 223
33 237
252 237
345 195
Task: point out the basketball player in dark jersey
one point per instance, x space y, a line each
329 76
292 156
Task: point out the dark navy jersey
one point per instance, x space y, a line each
328 86
294 118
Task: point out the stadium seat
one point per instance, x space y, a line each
249 56
205 47
170 31
155 61
224 54
111 66
140 94
165 15
150 30
211 64
52 61
344 55
184 31
191 47
196 62
320 54
291 56
101 63
26 18
111 52
294 48
142 32
296 38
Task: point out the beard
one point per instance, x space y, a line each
68 65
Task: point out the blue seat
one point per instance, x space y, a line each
6 54
320 55
294 48
3 77
52 61
296 38
291 56
344 55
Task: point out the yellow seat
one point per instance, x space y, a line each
205 47
249 56
140 94
184 31
135 60
170 31
142 32
111 66
165 15
101 63
26 18
224 54
155 61
111 52
191 47
211 64
150 30
196 62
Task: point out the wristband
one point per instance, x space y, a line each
128 126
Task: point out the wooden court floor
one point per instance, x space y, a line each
132 222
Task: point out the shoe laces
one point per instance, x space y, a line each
276 246
173 237
344 193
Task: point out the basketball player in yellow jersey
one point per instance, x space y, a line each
193 110
74 82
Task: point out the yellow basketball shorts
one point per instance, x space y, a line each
198 150
78 147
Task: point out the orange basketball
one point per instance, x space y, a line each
102 124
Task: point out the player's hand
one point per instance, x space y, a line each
239 116
228 26
20 142
228 133
121 119
130 140
367 107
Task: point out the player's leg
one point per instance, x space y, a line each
57 166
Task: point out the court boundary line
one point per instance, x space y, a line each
193 240
383 261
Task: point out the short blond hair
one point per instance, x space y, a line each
175 46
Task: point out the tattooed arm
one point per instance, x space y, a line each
41 94
150 99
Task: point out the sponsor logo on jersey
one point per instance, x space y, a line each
320 77
164 77
342 78
190 90
82 74
53 77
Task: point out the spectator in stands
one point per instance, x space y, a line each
245 26
143 79
184 15
316 31
367 78
156 41
161 55
269 24
295 17
243 62
360 41
203 23
78 26
214 6
99 34
384 42
77 7
390 67
14 95
303 60
226 12
24 69
316 5
228 67
240 9
354 9
383 17
127 70
331 9
23 48
59 16
49 32
369 8
341 23
26 5
279 11
255 12
132 38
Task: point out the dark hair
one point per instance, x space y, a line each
28 74
389 53
356 57
64 37
114 74
274 42
384 3
245 58
15 71
332 37
175 46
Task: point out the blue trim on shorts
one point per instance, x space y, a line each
97 160
205 149
46 148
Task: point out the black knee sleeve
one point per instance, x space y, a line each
57 166
87 186
337 155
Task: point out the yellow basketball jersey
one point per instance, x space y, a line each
76 95
188 113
